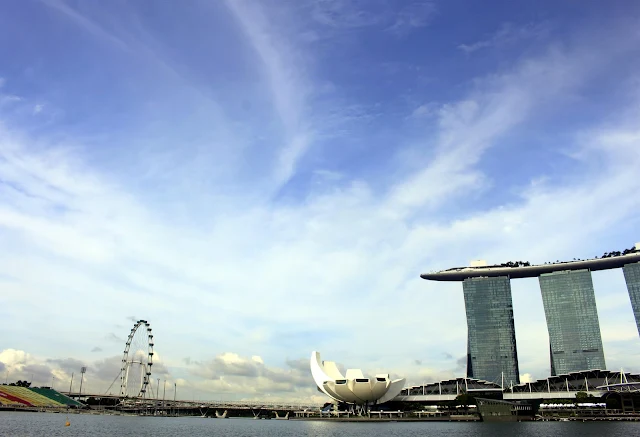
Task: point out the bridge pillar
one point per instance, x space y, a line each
221 416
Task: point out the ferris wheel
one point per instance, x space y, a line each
137 361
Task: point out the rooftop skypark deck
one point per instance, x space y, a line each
520 269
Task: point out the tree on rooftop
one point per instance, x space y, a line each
581 396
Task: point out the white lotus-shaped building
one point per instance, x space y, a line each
354 387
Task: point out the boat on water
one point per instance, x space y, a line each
496 410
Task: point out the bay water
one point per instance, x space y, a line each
45 424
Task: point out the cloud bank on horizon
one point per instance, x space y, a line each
259 180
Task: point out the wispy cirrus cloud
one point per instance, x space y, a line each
508 34
287 82
315 238
425 110
413 16
396 18
168 212
88 24
468 128
344 14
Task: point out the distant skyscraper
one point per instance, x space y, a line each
572 320
632 276
491 347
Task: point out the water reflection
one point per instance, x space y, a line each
43 424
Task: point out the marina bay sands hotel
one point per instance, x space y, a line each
569 306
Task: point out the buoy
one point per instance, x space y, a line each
67 423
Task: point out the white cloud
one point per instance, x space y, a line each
424 110
414 15
6 100
14 358
290 251
231 271
526 378
471 126
395 18
508 34
86 23
287 84
344 14
102 374
329 175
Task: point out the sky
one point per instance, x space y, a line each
261 179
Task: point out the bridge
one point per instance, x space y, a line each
170 407
135 396
594 382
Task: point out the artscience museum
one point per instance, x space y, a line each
353 387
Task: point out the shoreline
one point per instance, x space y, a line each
352 419
384 419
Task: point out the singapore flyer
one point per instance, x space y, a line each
137 361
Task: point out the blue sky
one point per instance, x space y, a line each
262 179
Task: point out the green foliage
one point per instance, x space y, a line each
559 401
465 400
20 383
581 396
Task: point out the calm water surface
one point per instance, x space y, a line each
43 424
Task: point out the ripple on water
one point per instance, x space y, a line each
44 424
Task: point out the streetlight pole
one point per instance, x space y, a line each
82 372
52 382
164 393
157 401
175 389
71 383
